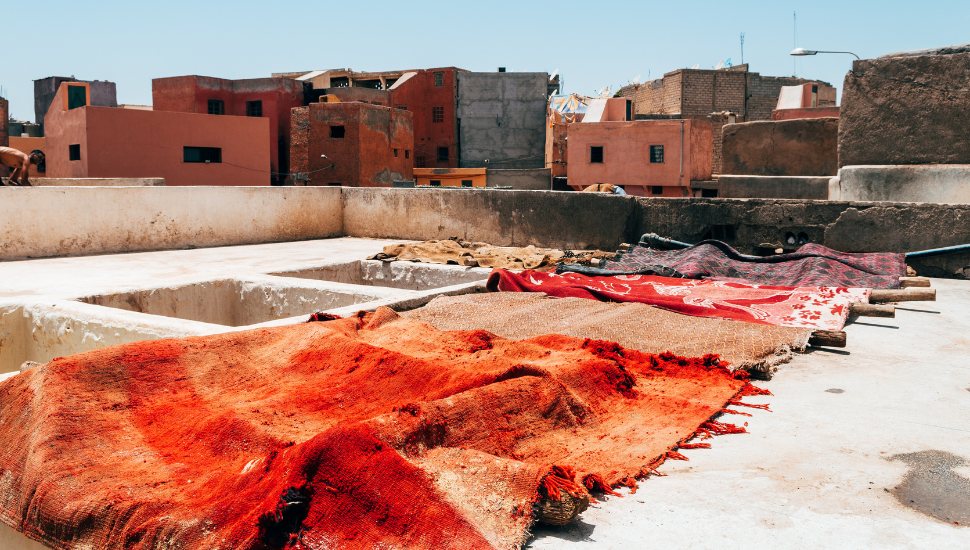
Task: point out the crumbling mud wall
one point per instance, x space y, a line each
801 147
906 110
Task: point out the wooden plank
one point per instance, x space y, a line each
860 309
827 338
879 295
910 282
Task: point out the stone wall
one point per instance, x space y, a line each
904 110
799 147
502 119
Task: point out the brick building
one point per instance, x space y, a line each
270 98
697 93
351 144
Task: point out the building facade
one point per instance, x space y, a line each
270 98
85 141
102 92
351 145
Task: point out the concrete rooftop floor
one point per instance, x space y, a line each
823 470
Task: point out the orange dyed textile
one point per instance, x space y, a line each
371 431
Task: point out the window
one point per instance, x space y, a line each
217 107
419 161
466 183
657 190
435 183
442 154
437 114
202 154
407 153
401 107
656 154
596 154
709 193
74 151
378 103
439 79
336 132
77 96
334 184
395 153
254 108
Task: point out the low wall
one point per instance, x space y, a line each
939 183
70 221
773 187
98 182
534 179
799 147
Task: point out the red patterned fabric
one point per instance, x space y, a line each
367 432
815 307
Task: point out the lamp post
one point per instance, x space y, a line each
798 52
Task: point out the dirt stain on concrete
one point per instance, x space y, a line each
835 390
933 488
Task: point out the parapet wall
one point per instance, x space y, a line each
69 221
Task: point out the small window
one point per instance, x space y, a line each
395 153
709 193
202 154
657 190
437 114
656 154
217 107
419 161
74 151
335 184
596 154
77 96
378 103
439 79
435 183
401 107
336 132
442 154
466 183
407 153
254 108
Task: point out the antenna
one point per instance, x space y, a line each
742 48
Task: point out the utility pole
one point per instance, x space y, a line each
742 48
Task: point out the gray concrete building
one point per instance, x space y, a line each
502 119
103 94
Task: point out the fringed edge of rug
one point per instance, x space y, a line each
766 367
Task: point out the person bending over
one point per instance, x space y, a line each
20 162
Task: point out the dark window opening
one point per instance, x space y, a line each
254 108
335 184
217 107
402 107
340 82
442 154
202 154
437 114
629 110
76 97
419 161
466 183
374 84
337 132
395 153
656 154
719 232
439 79
435 183
407 153
657 190
709 193
596 154
378 103
74 151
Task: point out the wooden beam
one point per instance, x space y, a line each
827 338
860 309
909 282
880 296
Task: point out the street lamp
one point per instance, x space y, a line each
798 52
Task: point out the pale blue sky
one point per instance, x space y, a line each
593 44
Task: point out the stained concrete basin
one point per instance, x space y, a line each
401 275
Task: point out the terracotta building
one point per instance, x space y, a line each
351 144
270 98
85 141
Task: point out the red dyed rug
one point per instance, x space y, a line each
813 307
367 432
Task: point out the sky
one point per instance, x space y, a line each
593 45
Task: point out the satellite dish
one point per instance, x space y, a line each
636 79
720 65
554 73
604 91
696 65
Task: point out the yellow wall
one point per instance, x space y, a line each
450 177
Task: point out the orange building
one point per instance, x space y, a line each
184 148
450 177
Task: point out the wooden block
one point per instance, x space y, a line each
827 338
910 282
470 262
595 262
860 309
902 295
624 247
